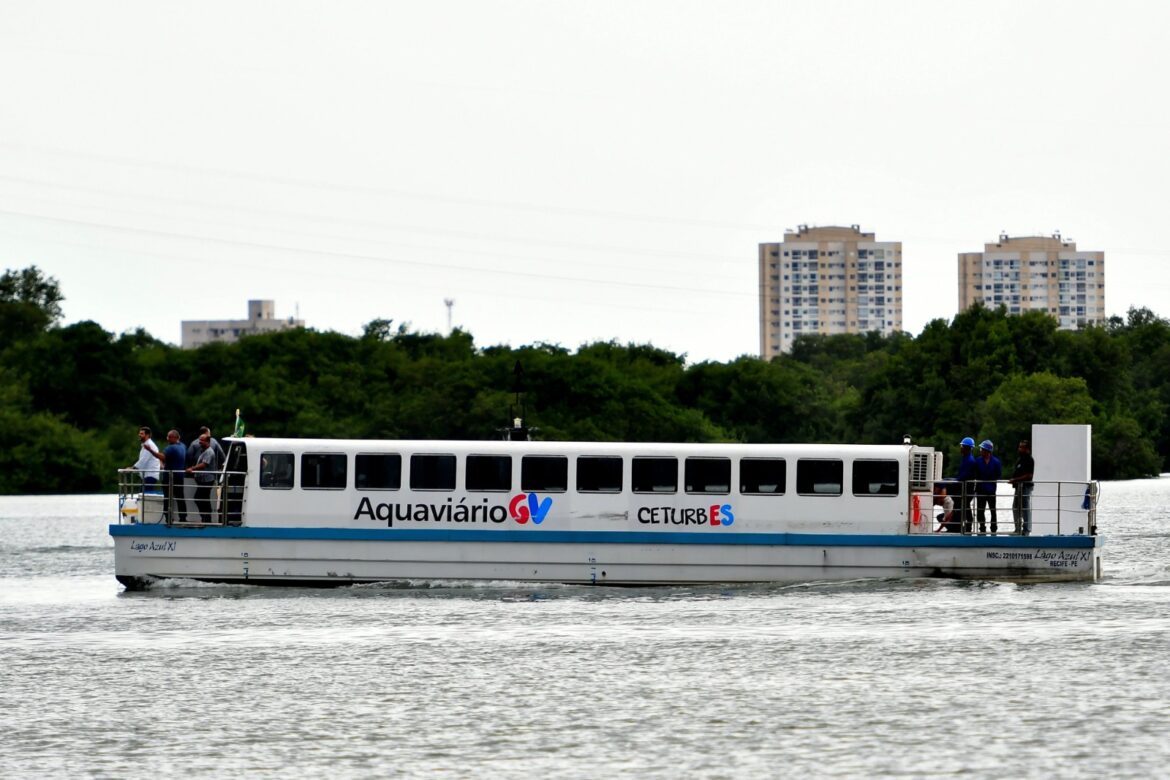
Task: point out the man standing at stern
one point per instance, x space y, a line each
990 470
965 478
1022 482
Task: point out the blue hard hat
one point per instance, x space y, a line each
987 445
967 442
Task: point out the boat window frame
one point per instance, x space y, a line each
356 470
605 490
445 455
840 483
881 493
344 458
499 487
706 491
782 485
645 460
528 487
292 475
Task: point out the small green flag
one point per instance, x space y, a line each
238 433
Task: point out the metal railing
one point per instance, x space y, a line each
1037 508
175 498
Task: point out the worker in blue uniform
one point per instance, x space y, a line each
966 477
990 471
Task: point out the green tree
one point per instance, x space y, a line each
30 303
753 401
1123 450
1022 400
41 453
71 397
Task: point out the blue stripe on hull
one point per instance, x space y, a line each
604 537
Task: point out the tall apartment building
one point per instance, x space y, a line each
828 280
1036 273
261 319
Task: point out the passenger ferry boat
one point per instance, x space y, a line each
309 512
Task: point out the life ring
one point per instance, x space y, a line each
917 504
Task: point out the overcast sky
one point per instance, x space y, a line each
567 172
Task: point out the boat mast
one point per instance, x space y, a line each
518 430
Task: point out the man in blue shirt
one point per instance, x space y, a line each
174 461
966 477
990 470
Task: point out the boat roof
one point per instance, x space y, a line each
494 447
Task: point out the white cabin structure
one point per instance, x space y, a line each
338 512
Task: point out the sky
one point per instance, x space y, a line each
565 172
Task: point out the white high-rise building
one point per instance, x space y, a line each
828 280
1036 273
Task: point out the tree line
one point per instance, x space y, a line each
72 396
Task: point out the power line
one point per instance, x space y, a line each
365 189
467 290
301 217
374 258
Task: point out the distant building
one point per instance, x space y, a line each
828 280
261 319
1036 273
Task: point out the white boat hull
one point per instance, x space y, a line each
332 557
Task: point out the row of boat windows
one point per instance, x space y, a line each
594 474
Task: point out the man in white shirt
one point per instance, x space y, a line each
149 458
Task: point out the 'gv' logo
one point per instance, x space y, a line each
535 509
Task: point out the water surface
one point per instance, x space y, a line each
907 678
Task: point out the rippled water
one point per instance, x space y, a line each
904 678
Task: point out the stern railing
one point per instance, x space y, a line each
179 499
1038 508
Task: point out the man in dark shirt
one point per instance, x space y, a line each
204 471
174 461
1021 480
194 450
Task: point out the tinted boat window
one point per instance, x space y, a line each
875 477
237 477
762 476
432 472
819 477
599 474
489 472
237 457
549 474
277 470
377 472
655 475
707 475
325 471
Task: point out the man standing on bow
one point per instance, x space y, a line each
148 460
194 451
174 462
204 471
